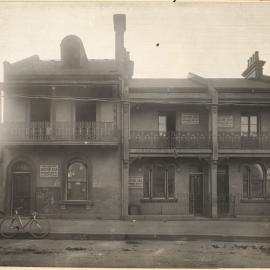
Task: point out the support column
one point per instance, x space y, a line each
125 159
213 162
213 179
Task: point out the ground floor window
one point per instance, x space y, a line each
159 182
253 181
77 181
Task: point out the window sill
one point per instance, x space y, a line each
153 200
74 202
255 201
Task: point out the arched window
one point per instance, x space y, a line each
159 182
77 186
253 181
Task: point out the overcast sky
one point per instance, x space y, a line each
212 40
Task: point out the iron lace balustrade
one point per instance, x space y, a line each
234 140
163 140
59 131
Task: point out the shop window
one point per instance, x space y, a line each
159 182
253 181
77 181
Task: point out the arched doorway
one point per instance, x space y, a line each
21 187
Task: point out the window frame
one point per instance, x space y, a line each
149 171
67 180
249 195
249 115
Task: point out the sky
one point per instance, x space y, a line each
209 39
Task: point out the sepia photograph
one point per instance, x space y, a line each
135 134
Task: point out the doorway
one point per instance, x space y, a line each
223 191
21 188
166 129
196 194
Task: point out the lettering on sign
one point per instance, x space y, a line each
225 121
48 171
190 119
135 182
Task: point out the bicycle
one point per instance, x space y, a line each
38 228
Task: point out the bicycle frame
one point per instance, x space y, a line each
18 218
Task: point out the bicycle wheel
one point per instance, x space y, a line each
9 227
39 228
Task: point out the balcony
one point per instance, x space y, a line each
169 140
234 140
59 133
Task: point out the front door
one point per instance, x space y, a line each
21 197
223 192
196 194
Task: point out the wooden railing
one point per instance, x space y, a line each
234 140
181 139
64 131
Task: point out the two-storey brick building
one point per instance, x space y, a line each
82 139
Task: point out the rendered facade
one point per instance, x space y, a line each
82 139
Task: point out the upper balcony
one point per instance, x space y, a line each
189 142
60 133
196 142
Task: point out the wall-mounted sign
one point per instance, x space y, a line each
190 119
48 171
225 121
135 182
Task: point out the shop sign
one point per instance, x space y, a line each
225 121
135 182
190 119
48 171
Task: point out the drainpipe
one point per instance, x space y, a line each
214 135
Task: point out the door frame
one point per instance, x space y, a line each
9 185
202 193
224 171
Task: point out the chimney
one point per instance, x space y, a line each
254 69
119 21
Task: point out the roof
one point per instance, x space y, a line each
34 66
222 83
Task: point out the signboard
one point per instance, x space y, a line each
225 121
135 182
48 171
190 119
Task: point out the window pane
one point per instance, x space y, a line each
253 130
256 181
162 125
253 120
268 184
77 182
146 180
171 182
159 182
245 182
244 126
244 120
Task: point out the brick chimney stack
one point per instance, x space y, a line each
119 21
254 69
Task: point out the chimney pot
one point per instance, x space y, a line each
254 69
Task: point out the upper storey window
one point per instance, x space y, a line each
249 125
40 110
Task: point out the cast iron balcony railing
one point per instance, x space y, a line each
234 140
164 140
59 131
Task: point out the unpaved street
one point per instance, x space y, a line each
133 253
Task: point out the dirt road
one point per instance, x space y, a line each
133 253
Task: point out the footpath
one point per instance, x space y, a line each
224 230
